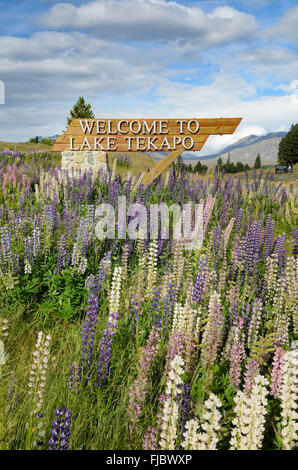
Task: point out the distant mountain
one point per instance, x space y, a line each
246 150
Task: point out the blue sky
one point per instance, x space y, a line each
149 58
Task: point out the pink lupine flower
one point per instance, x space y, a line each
149 441
212 335
235 364
139 389
175 348
228 231
251 371
277 372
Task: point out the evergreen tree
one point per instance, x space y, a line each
199 168
219 163
257 164
80 110
288 147
229 167
34 140
179 163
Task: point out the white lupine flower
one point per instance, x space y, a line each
289 392
170 414
82 266
207 439
3 355
37 375
190 435
198 312
75 254
183 319
250 417
115 290
177 315
3 327
152 266
211 418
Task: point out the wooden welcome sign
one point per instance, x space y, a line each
143 135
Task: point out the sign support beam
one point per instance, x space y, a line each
157 169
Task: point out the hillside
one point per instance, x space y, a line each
23 146
139 162
246 150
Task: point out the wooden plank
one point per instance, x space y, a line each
204 130
217 126
144 140
157 169
123 148
172 123
160 167
153 141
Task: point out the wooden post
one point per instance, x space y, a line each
157 169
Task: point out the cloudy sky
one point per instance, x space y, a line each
149 58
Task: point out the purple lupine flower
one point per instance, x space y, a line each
161 244
284 196
102 272
28 249
49 217
279 244
154 309
269 234
250 248
199 280
88 334
282 260
295 244
74 378
6 252
168 305
103 366
61 258
60 430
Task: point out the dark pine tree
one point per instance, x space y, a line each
80 110
288 147
257 164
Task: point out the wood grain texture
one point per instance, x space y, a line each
160 167
157 169
207 127
172 123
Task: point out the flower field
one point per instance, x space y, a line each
143 344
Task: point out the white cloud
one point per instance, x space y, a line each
46 72
286 27
58 66
228 96
153 20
